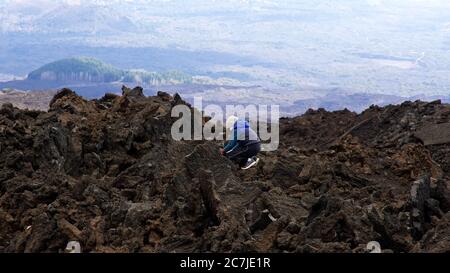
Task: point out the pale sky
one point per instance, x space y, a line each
417 3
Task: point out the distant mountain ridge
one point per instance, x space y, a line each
90 70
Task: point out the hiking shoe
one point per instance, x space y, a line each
250 163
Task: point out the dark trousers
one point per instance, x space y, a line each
241 154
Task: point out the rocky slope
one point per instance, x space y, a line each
107 174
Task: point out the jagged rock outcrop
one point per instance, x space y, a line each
107 174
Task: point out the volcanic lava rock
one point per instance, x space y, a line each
420 194
107 174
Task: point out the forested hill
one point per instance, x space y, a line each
85 69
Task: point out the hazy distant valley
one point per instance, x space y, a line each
324 54
92 78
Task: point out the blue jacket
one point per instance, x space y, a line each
241 135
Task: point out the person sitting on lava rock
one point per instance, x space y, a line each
244 143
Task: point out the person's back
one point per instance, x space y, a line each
244 143
244 133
